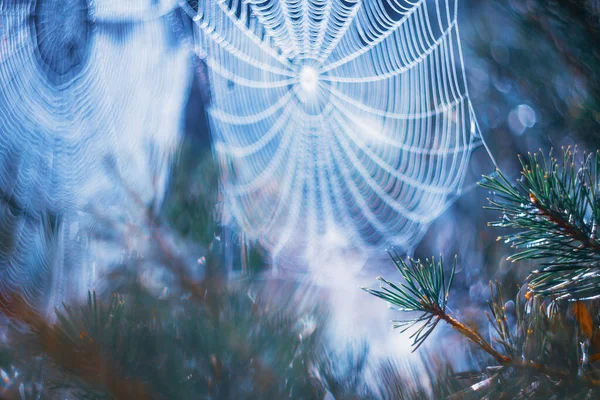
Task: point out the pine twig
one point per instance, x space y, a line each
555 208
476 338
426 291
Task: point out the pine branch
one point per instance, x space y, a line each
526 349
424 291
556 209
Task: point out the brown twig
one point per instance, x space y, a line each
568 228
474 337
502 359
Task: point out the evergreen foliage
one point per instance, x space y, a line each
226 340
555 208
424 291
546 343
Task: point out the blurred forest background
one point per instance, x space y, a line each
534 80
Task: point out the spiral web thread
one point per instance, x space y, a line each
341 121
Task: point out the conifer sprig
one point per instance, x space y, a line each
425 291
555 208
543 347
538 355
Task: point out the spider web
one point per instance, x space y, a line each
89 98
337 122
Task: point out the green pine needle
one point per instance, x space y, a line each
424 290
555 208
